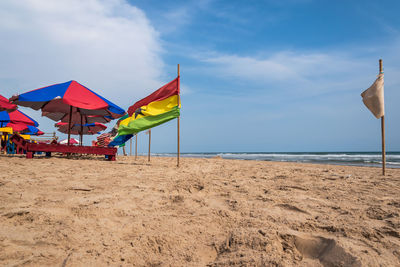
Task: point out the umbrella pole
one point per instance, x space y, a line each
81 141
69 124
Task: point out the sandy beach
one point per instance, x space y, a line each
208 212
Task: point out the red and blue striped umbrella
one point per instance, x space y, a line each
32 130
24 128
16 117
60 101
70 102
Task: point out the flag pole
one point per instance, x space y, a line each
383 130
178 154
148 156
130 147
136 147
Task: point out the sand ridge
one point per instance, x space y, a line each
208 212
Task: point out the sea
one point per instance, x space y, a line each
372 159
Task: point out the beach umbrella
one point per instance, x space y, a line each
70 141
69 102
15 120
78 129
24 129
5 105
32 130
17 127
16 117
87 128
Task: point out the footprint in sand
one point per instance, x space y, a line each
378 213
326 250
292 208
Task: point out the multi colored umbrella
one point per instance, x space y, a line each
55 101
6 105
17 127
32 130
70 102
16 117
24 129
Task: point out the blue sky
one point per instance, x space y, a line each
255 75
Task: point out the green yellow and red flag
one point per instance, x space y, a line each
159 107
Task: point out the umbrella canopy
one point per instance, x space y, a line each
79 118
71 141
6 105
32 130
59 101
24 129
17 127
16 117
88 128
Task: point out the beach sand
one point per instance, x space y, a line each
208 212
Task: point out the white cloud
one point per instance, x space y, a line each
107 45
303 73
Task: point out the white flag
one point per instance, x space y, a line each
373 97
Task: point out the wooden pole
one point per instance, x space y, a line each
130 147
383 130
69 123
178 125
136 147
148 156
81 137
383 145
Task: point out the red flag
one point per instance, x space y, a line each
170 89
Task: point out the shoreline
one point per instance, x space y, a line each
214 212
373 165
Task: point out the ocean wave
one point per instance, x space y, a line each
342 158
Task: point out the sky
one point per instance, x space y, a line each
256 76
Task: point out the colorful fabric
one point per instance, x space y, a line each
373 97
104 139
120 140
170 89
161 106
